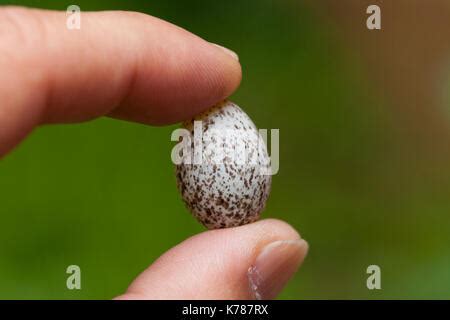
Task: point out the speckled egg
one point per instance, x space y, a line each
225 179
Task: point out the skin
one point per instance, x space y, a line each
139 68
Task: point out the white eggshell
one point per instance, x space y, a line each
230 184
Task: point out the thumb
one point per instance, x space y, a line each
254 261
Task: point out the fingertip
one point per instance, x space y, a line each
188 76
246 262
272 228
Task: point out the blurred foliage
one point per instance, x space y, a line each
102 194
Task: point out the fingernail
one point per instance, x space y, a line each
227 51
274 266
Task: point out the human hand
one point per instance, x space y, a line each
135 67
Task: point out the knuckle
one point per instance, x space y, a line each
22 41
21 29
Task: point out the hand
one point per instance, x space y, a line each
139 68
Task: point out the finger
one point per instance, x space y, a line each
128 65
254 261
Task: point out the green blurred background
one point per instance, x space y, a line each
363 183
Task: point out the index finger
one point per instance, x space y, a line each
124 64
